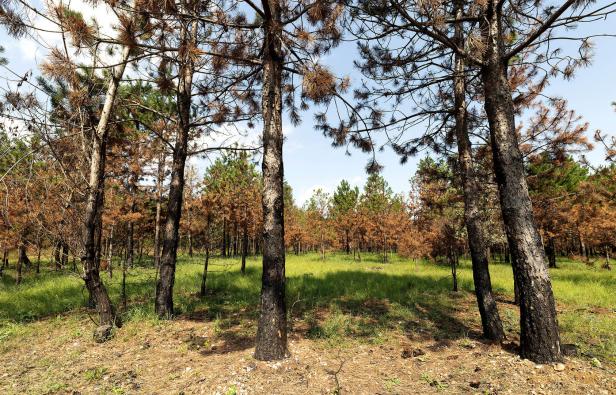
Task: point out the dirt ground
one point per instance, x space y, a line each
194 357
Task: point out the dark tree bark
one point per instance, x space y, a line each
539 336
56 255
235 238
22 260
207 257
473 193
65 252
550 250
271 342
166 278
244 243
94 203
224 237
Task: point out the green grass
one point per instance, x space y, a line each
337 299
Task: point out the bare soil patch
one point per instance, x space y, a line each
188 356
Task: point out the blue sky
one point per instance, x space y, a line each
310 160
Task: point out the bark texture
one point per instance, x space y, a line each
539 336
166 278
94 203
475 222
271 342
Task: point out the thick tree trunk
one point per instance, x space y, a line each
94 203
539 337
473 193
271 342
166 278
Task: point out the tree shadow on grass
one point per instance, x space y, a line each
355 303
359 303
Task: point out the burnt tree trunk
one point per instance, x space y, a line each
271 341
539 336
94 202
166 278
473 207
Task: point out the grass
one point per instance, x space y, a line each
337 300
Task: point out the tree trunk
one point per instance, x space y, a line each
22 260
207 257
551 252
166 278
94 203
244 244
65 252
453 261
271 342
38 257
539 337
224 237
473 193
110 253
56 255
235 233
124 297
159 198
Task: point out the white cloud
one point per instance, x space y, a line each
329 187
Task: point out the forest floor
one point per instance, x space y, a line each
355 328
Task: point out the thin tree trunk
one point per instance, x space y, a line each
453 261
38 256
159 198
22 259
65 252
244 242
539 337
207 257
110 253
551 252
271 341
94 204
56 255
224 237
166 278
473 193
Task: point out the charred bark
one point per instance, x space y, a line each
94 203
271 342
539 336
166 278
473 193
